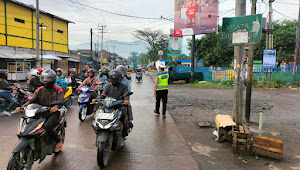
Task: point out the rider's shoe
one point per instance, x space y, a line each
7 113
59 146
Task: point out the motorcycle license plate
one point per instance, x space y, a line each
106 116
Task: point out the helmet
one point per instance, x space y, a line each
3 73
34 72
105 69
100 71
92 71
59 69
73 70
84 70
115 77
122 70
161 66
40 70
48 78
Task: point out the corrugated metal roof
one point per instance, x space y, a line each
8 55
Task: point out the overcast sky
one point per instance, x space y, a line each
121 28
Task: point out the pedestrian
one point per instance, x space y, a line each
161 90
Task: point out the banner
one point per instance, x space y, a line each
175 45
269 59
194 17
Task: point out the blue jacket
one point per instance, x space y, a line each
127 83
60 80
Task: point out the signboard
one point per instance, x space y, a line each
244 30
194 17
222 75
269 59
160 53
175 45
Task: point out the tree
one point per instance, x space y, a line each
157 41
210 49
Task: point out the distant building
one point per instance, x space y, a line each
18 39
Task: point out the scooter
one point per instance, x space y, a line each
85 103
68 99
111 124
34 142
22 96
138 77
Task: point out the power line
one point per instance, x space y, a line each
283 14
124 15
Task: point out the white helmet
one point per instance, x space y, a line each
34 72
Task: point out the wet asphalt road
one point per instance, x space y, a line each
154 143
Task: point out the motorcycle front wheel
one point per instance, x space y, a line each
68 101
21 159
103 153
82 114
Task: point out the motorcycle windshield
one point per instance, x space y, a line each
86 89
108 113
32 109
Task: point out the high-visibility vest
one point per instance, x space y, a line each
162 81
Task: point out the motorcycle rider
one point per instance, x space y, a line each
93 82
105 72
122 69
61 81
83 74
73 76
139 71
116 89
5 93
34 82
102 77
45 96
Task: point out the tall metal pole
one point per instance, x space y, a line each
41 45
296 58
102 31
250 72
193 59
37 33
91 43
240 10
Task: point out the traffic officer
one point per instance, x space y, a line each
161 90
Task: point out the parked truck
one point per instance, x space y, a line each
183 73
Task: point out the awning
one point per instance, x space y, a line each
50 57
8 55
74 60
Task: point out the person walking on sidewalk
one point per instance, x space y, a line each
161 90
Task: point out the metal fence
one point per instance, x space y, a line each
284 75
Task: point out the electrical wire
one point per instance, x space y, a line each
110 12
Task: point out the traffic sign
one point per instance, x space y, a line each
244 30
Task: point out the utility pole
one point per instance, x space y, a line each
113 46
37 33
296 58
102 31
240 10
269 44
250 72
91 43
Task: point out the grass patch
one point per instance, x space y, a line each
211 84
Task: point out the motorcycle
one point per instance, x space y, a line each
111 124
68 99
138 77
101 87
85 102
129 76
34 142
22 96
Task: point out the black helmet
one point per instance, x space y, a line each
48 78
92 71
115 77
84 70
3 73
122 69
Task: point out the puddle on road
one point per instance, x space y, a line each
202 149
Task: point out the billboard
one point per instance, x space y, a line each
194 17
269 59
175 44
